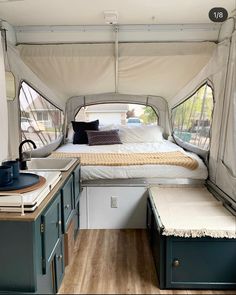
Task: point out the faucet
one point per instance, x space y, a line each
22 161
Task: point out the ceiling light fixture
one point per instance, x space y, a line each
111 17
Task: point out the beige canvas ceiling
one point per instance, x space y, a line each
90 12
149 68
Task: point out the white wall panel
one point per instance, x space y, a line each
83 209
96 211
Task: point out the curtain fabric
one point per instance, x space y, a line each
3 108
226 170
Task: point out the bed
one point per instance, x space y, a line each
135 171
127 182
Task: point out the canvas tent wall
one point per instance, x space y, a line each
145 71
21 73
220 71
148 72
3 108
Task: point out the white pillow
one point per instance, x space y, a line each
70 134
142 134
107 127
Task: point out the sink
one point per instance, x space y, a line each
50 164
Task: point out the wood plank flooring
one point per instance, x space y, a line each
115 262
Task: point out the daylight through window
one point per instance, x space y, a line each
40 120
120 114
191 120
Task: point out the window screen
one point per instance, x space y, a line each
40 120
117 113
191 120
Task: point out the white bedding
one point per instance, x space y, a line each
136 171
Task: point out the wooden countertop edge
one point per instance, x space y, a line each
12 216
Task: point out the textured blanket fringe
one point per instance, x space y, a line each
199 233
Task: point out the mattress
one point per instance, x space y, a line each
136 171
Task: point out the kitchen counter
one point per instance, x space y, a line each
34 215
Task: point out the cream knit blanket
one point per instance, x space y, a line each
192 212
126 159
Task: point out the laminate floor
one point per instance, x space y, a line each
115 262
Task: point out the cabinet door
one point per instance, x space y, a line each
51 230
158 249
77 219
149 221
77 183
157 242
59 264
201 263
67 202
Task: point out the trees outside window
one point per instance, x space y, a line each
191 120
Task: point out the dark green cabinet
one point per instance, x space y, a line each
59 264
77 184
77 191
191 263
51 230
157 244
77 219
67 194
200 262
17 254
32 252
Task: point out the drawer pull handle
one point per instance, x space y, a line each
67 206
59 257
59 222
176 263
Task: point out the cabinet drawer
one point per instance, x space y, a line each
59 264
67 201
77 183
51 229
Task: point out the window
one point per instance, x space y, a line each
40 120
42 116
117 113
191 120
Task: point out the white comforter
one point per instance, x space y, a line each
136 171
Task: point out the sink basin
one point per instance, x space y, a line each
50 164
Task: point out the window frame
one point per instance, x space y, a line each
206 83
44 97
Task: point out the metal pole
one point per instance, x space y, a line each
116 58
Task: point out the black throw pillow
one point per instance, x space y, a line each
80 135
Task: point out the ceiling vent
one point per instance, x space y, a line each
111 17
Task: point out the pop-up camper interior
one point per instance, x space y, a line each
118 147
